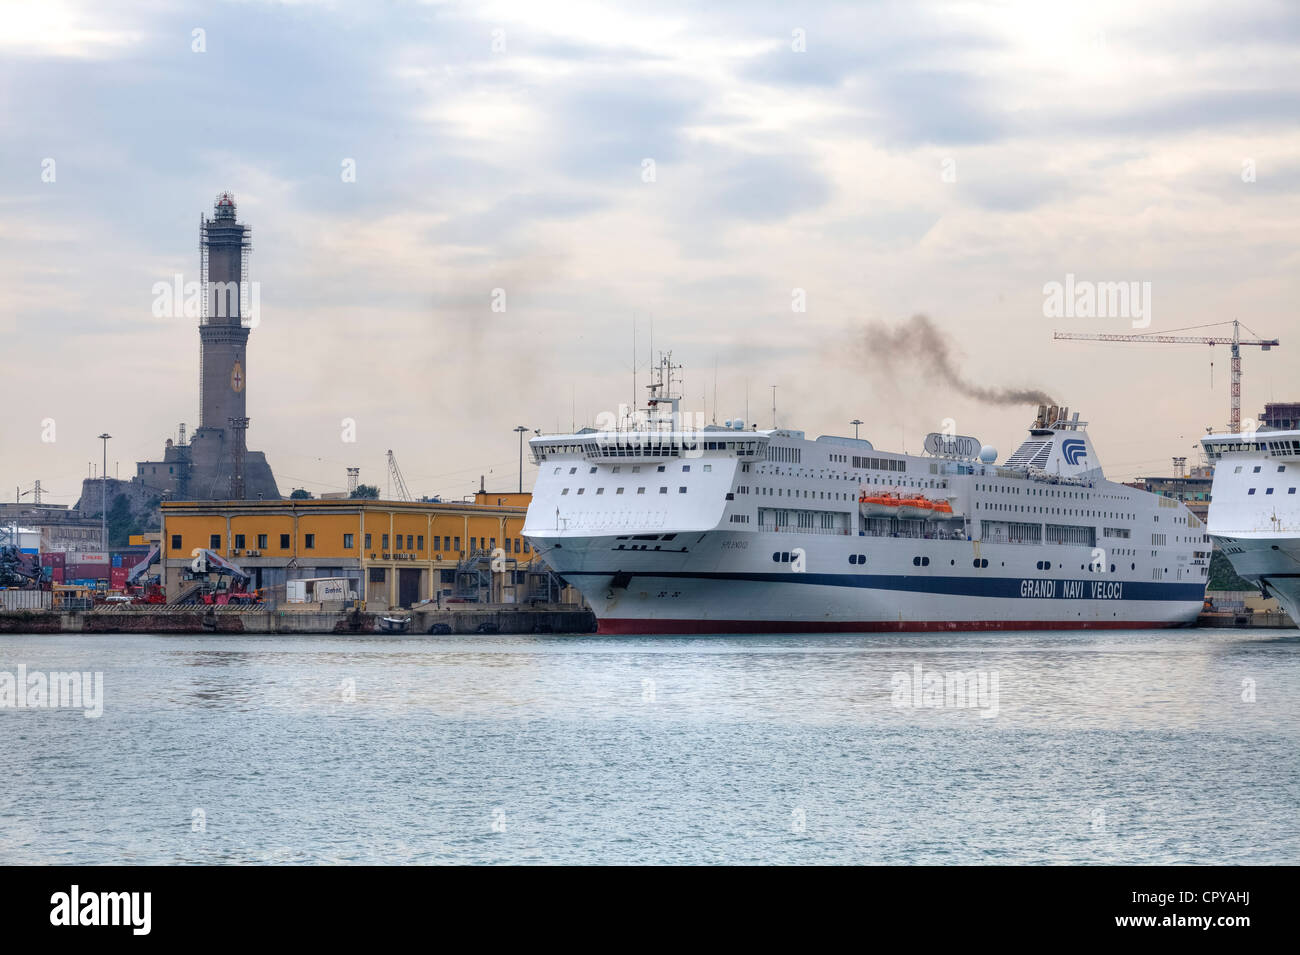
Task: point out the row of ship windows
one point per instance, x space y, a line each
1033 491
979 563
1269 490
1034 509
640 490
1217 449
1281 468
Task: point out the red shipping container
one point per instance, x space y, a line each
117 577
56 574
53 558
87 571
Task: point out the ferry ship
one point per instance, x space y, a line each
725 528
1255 509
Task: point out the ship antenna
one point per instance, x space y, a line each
632 408
715 388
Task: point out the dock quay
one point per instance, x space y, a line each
1267 619
164 619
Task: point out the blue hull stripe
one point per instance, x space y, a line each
1029 588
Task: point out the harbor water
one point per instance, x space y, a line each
1166 747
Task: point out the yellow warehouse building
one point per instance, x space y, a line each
396 553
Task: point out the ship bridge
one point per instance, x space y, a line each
1277 444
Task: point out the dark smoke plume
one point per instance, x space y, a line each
918 344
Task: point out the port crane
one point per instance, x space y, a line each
395 478
1236 341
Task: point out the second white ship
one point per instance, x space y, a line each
1255 509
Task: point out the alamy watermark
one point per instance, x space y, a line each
952 689
1084 299
57 689
181 299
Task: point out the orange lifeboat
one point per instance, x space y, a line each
916 507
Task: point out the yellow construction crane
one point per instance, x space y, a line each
1236 341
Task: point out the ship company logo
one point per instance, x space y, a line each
1073 450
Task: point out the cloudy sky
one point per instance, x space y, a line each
700 172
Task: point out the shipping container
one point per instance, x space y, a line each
25 599
316 589
87 571
92 557
56 574
117 578
53 558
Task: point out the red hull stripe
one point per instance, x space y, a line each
626 625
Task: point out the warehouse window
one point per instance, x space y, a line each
446 543
176 542
347 541
284 542
214 542
377 575
383 541
261 542
239 541
309 541
457 547
419 542
367 542
409 540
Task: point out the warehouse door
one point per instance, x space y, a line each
408 587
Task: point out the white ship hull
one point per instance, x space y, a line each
723 582
1255 510
732 531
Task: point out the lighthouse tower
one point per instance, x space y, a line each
224 245
215 465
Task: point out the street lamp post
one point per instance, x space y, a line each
521 429
103 497
855 422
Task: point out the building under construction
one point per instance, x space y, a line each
214 463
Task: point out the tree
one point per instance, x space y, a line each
121 522
366 491
300 494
